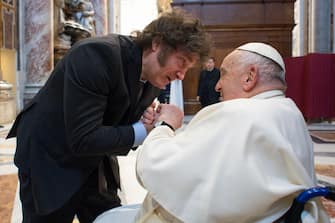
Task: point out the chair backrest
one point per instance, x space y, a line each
293 215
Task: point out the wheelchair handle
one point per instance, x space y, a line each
307 194
293 215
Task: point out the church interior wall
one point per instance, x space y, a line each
29 63
8 65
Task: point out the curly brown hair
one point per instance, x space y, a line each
177 29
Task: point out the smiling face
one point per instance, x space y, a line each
163 65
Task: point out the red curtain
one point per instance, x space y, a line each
311 84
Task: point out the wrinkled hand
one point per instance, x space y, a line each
149 117
170 114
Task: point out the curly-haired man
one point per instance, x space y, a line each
89 111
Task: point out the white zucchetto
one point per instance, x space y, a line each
264 50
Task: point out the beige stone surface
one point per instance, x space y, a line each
8 184
7 111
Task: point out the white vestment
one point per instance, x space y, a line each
241 160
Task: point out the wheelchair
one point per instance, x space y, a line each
293 215
128 212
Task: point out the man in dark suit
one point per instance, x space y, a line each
207 94
90 110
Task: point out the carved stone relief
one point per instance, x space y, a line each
8 28
9 2
163 5
74 20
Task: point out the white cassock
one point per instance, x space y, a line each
242 160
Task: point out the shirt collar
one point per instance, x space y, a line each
143 81
269 94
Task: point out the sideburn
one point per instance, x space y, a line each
163 54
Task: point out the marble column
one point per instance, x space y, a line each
319 35
300 31
37 44
100 16
114 16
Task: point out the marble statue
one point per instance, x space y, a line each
74 20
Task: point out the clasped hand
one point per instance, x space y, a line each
168 113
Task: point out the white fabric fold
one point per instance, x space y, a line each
242 160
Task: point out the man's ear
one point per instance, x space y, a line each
250 79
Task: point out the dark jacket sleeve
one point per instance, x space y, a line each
200 84
93 74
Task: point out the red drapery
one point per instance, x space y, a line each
311 84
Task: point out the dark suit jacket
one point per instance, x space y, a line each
206 88
82 115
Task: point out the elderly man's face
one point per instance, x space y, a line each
229 84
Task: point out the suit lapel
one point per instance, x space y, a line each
132 64
134 85
132 61
148 95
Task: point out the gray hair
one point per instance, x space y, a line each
268 69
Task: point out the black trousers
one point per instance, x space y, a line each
86 204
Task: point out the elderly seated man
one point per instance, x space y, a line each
242 160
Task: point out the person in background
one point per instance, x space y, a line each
89 111
241 160
207 81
